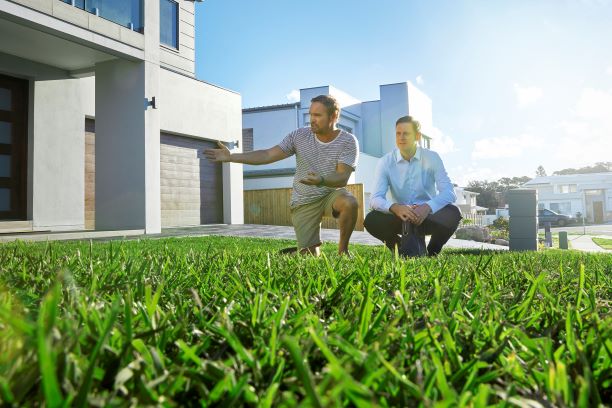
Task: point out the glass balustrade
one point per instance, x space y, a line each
128 13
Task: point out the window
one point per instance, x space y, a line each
247 140
345 128
562 208
128 13
168 23
566 188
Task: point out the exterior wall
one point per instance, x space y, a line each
263 183
183 59
200 110
269 129
393 104
420 108
58 156
372 145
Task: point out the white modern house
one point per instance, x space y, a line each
466 201
372 122
102 121
588 194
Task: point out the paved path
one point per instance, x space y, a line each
585 243
582 243
247 230
328 235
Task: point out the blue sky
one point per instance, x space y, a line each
514 84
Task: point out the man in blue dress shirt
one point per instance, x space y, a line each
422 196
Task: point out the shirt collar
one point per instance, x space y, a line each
399 158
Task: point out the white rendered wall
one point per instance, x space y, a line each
264 183
269 129
420 108
58 156
372 137
120 146
393 105
365 173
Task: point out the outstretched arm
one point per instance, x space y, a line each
222 154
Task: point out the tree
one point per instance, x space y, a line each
599 167
540 172
492 194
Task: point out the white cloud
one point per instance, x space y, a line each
293 96
462 175
527 95
420 80
440 142
586 136
505 147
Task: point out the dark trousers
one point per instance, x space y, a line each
441 226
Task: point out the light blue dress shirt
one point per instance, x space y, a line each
413 181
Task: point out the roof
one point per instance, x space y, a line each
271 107
572 178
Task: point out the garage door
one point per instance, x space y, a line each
191 186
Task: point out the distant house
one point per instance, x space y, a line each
466 201
102 121
587 194
372 123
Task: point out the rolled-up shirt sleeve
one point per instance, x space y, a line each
446 191
379 201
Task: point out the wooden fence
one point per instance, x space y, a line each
271 207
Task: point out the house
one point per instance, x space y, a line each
102 120
372 123
587 194
466 201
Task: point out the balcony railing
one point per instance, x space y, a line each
128 13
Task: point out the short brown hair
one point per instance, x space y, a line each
409 119
330 103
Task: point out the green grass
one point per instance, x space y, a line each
603 242
227 321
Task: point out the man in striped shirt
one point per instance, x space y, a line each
325 158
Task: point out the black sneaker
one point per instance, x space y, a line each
412 243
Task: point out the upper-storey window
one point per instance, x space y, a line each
128 13
168 23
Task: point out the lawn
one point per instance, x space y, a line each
227 321
603 242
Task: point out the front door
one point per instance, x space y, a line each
598 212
13 148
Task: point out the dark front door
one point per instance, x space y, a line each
13 148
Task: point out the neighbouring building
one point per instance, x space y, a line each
466 201
102 120
587 194
372 123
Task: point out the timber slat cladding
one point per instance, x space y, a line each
90 174
271 207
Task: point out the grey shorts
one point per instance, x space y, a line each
306 218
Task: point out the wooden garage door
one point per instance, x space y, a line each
191 186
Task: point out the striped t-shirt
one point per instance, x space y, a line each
313 155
